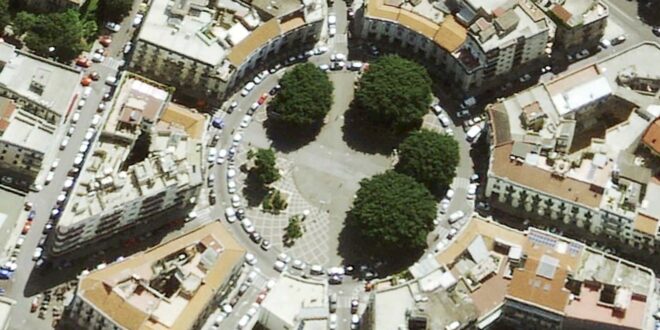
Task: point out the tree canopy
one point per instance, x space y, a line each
429 157
265 168
64 31
113 10
394 92
4 15
393 211
305 97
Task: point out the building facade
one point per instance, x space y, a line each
580 24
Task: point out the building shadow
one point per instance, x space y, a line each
649 12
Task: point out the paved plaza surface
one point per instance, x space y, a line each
320 177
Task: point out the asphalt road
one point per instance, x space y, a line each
24 283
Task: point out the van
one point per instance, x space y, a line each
473 133
458 215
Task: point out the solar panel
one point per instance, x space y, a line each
540 238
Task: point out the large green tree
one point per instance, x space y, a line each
305 97
4 15
429 157
113 10
63 31
24 22
265 169
394 92
393 211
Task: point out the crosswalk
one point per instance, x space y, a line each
112 63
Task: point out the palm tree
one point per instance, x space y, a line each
509 194
587 220
562 212
549 206
524 200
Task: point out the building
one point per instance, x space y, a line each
25 139
47 89
175 285
295 303
568 151
651 138
52 5
5 310
206 49
580 23
493 275
116 190
475 43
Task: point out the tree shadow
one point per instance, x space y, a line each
253 191
355 249
649 12
287 138
362 135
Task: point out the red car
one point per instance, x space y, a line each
261 297
84 62
105 41
262 98
26 228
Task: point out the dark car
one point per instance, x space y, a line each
240 214
265 244
335 279
256 237
274 90
31 215
244 287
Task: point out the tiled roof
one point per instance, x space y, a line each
652 136
646 225
258 37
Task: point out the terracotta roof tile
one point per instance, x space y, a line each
652 136
646 225
253 41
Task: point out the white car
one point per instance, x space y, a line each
230 214
112 26
437 109
137 20
283 257
279 266
64 143
78 160
213 152
231 173
444 205
68 183
87 91
231 186
320 50
246 121
89 134
55 163
75 117
337 57
235 201
49 177
472 191
71 130
247 226
256 80
247 89
233 105
324 67
444 120
450 194
332 30
83 147
238 137
458 215
81 104
37 253
128 47
98 58
299 265
221 156
332 19
96 120
250 259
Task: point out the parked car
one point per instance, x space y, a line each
256 237
250 259
230 214
279 266
618 40
265 245
456 216
112 26
137 20
582 54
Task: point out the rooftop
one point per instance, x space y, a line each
576 12
44 82
24 129
651 137
168 286
432 23
292 298
494 263
507 27
174 156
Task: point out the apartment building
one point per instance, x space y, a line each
580 23
115 191
475 43
175 285
568 150
295 303
47 89
495 276
25 139
205 50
